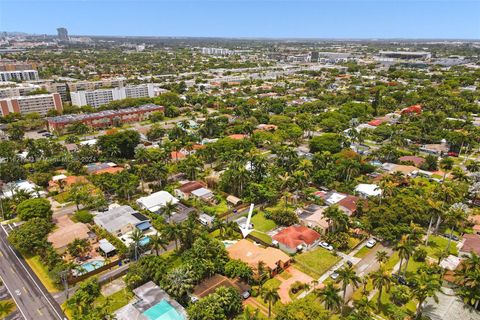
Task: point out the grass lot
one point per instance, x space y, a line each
285 275
388 309
353 242
272 283
42 273
116 300
263 224
217 209
362 252
61 197
316 262
437 244
262 236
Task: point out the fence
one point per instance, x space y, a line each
72 280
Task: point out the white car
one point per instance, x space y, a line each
371 243
334 275
326 246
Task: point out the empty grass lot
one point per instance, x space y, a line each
262 224
316 262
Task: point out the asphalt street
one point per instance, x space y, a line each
32 299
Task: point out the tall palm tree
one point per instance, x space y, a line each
157 242
380 279
136 236
250 315
270 296
468 277
169 209
381 256
329 296
348 276
455 216
172 232
404 250
427 286
179 282
363 307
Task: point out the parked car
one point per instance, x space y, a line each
453 237
325 245
334 275
371 243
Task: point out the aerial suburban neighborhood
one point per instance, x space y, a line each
175 178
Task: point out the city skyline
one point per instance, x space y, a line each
249 19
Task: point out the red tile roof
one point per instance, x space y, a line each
413 109
417 161
349 202
237 136
471 244
296 235
191 186
376 122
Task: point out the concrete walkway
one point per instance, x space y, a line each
295 275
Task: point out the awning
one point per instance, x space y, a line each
106 246
144 226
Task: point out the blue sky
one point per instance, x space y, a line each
243 18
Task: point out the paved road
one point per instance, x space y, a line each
32 299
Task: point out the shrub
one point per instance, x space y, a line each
83 216
420 255
400 295
34 208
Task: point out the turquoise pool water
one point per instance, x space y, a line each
144 241
92 265
163 311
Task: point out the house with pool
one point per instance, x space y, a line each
121 221
151 303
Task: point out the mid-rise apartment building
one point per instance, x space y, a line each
94 85
11 89
16 66
97 98
19 75
40 104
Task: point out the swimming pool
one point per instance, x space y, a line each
163 311
144 241
91 265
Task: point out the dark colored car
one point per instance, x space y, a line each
453 237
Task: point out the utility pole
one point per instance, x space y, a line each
64 276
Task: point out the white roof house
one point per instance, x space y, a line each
11 188
202 193
156 201
368 190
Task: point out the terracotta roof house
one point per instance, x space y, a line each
267 127
296 238
177 156
375 123
471 244
185 190
237 136
99 168
209 285
64 235
60 182
417 161
274 259
349 204
412 109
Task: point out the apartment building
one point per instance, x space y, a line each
10 65
94 85
11 89
40 104
97 98
19 75
105 118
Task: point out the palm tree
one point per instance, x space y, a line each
270 296
348 276
136 236
172 232
363 307
381 279
169 209
157 242
404 250
446 164
468 278
381 256
6 307
329 296
179 282
455 216
427 286
337 219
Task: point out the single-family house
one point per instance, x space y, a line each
206 220
65 234
471 244
156 201
11 188
417 161
246 251
448 305
312 216
106 167
61 182
366 190
185 190
296 238
122 220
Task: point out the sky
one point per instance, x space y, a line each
433 19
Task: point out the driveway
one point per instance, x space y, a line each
295 275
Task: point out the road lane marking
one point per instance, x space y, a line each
39 312
11 269
31 277
25 290
14 299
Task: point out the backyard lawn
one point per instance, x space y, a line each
116 300
42 273
263 224
262 236
362 252
437 244
316 262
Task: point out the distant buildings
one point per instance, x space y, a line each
19 75
94 85
105 118
217 51
16 66
405 55
40 104
62 34
99 97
